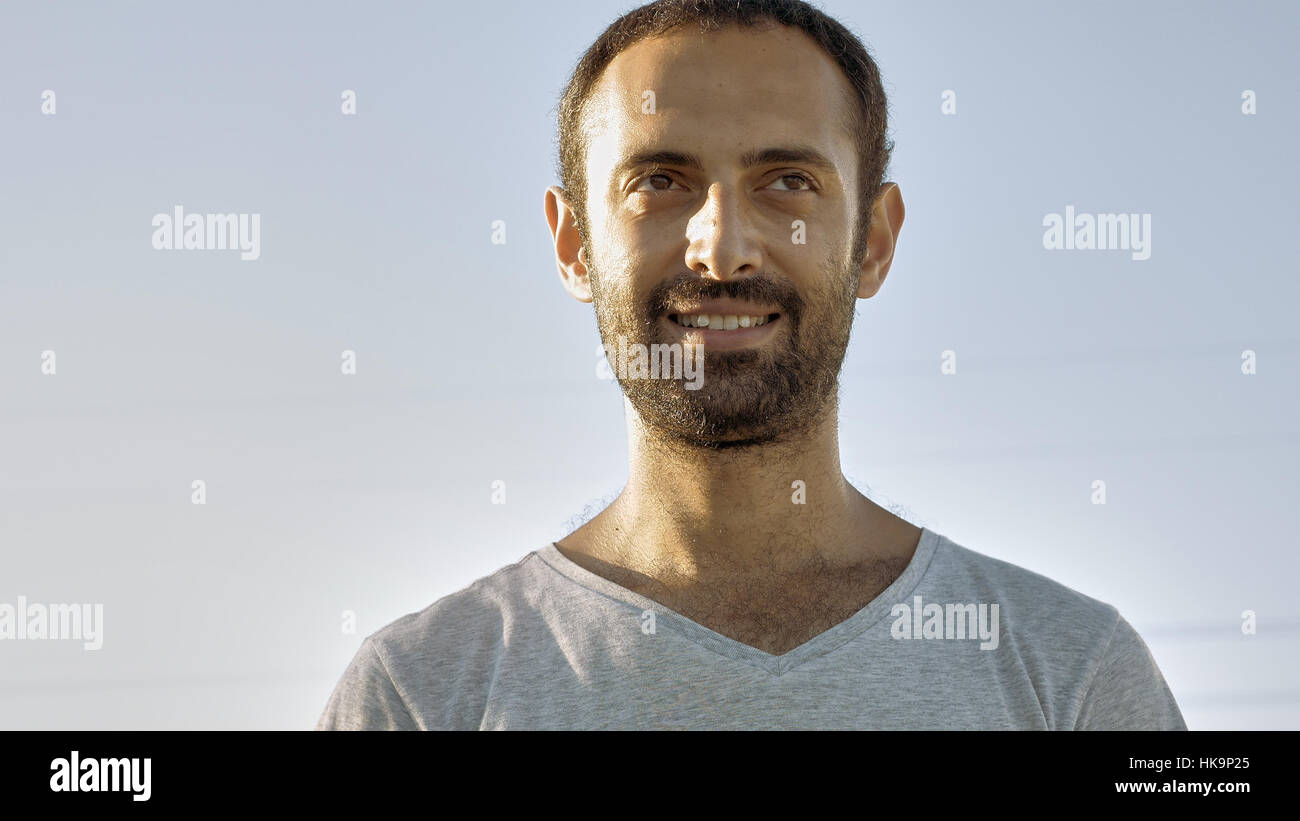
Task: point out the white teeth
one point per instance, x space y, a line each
720 322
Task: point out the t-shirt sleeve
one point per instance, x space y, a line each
365 697
1128 691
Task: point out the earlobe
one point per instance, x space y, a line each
576 280
870 282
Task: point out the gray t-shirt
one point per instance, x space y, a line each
959 641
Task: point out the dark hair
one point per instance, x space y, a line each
868 123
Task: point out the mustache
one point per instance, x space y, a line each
760 288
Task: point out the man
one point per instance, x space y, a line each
724 197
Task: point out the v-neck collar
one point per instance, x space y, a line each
820 644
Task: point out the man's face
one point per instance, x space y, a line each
748 215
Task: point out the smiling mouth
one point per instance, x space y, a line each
721 322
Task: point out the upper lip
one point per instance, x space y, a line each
722 307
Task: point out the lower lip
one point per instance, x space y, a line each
724 340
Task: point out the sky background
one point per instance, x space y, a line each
372 492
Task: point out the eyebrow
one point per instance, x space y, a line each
801 154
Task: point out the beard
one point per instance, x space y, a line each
750 396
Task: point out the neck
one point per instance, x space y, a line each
702 513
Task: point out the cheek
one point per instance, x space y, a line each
641 258
644 242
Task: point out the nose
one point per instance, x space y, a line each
723 241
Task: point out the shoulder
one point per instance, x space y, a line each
431 669
1030 603
476 614
1088 665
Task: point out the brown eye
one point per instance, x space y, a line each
667 182
786 179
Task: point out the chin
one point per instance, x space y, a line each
699 428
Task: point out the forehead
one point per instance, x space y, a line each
719 94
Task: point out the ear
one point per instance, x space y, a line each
886 221
570 256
